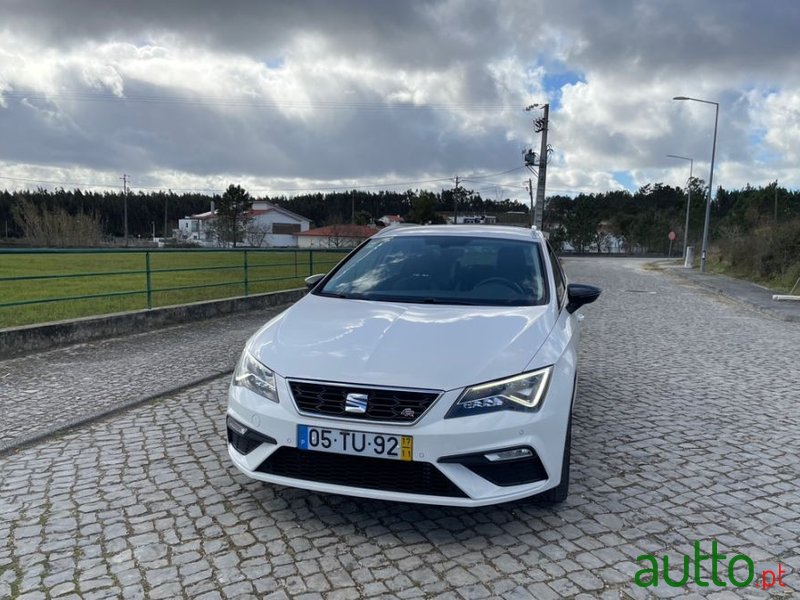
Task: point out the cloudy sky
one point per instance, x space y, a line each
283 97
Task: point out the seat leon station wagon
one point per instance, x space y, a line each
434 364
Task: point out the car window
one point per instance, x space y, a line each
444 270
559 278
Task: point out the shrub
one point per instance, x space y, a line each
768 253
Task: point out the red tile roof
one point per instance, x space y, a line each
344 230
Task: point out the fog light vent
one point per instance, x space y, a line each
245 440
504 467
509 454
236 426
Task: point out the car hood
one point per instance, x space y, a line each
398 344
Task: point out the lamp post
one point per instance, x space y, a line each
688 200
710 178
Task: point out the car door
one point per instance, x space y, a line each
569 324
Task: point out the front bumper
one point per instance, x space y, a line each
448 467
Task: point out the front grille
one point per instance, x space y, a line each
361 472
388 405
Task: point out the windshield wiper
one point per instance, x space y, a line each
422 300
405 299
444 301
343 295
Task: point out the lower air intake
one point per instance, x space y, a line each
360 472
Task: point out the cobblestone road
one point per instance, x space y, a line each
686 428
44 391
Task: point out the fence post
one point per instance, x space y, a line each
149 282
310 262
245 274
295 263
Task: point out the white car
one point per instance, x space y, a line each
434 364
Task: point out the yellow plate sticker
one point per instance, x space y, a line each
406 447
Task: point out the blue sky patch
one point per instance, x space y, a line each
275 63
625 179
554 80
761 152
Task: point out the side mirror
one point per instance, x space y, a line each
579 294
313 280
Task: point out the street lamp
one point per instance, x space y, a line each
710 178
688 200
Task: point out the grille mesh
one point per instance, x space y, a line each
360 471
388 405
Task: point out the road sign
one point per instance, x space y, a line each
671 236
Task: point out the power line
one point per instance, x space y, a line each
517 186
493 174
503 185
62 183
273 104
257 190
211 189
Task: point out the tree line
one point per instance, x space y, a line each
159 211
754 231
755 228
641 221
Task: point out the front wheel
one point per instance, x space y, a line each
561 491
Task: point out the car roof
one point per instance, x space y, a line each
487 231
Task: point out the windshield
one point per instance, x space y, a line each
443 270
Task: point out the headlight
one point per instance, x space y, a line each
521 392
256 377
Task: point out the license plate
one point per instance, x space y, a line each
359 443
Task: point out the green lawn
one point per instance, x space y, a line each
124 273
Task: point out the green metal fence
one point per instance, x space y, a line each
39 285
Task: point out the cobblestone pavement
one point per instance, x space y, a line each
686 428
41 393
752 294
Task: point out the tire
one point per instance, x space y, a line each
561 491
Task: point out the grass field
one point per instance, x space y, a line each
29 278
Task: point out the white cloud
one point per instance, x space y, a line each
300 94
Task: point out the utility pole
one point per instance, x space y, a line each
353 207
166 199
456 193
125 196
776 201
530 192
541 125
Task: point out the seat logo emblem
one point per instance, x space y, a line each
356 403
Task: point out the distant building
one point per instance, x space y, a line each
473 219
387 220
514 217
271 226
335 236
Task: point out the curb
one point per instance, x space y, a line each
22 443
710 287
18 341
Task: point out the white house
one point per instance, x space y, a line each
388 220
335 236
473 219
271 226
